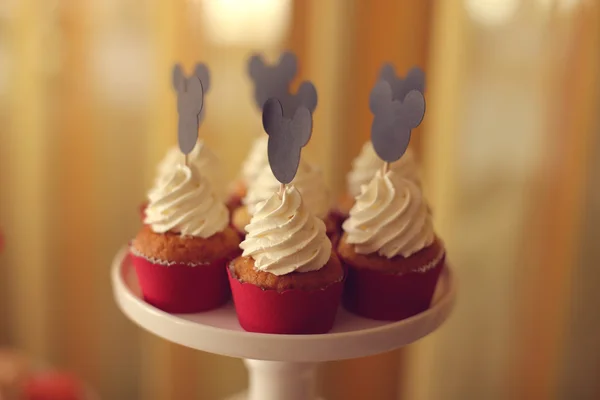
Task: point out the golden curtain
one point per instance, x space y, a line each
88 111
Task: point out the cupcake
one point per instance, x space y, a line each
363 169
54 385
288 280
202 157
254 163
15 368
392 255
180 254
309 182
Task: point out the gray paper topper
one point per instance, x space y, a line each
306 96
201 71
271 80
190 98
394 120
287 136
414 80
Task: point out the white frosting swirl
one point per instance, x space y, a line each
283 236
368 162
256 160
308 180
390 217
202 157
184 202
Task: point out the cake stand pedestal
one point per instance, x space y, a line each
280 366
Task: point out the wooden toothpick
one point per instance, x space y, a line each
386 167
281 190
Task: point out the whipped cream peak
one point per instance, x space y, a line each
184 202
367 163
201 157
390 217
284 237
308 180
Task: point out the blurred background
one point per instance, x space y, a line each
507 149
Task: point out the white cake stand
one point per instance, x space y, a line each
280 366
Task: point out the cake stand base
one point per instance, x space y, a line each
276 380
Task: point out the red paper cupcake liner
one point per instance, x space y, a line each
293 312
142 210
390 297
53 385
233 202
334 237
339 219
182 288
339 216
241 233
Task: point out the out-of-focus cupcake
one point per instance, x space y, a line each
180 254
310 183
14 370
288 280
254 163
202 158
391 252
364 167
54 385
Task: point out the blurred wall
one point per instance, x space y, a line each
87 111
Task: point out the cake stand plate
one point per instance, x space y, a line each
280 366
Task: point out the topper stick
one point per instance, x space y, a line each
386 167
281 190
187 160
394 120
190 99
287 137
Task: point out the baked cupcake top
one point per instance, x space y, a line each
390 217
184 202
308 181
366 164
284 237
201 157
256 160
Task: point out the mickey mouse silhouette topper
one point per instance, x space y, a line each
179 78
287 137
190 99
393 120
271 80
306 96
414 80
